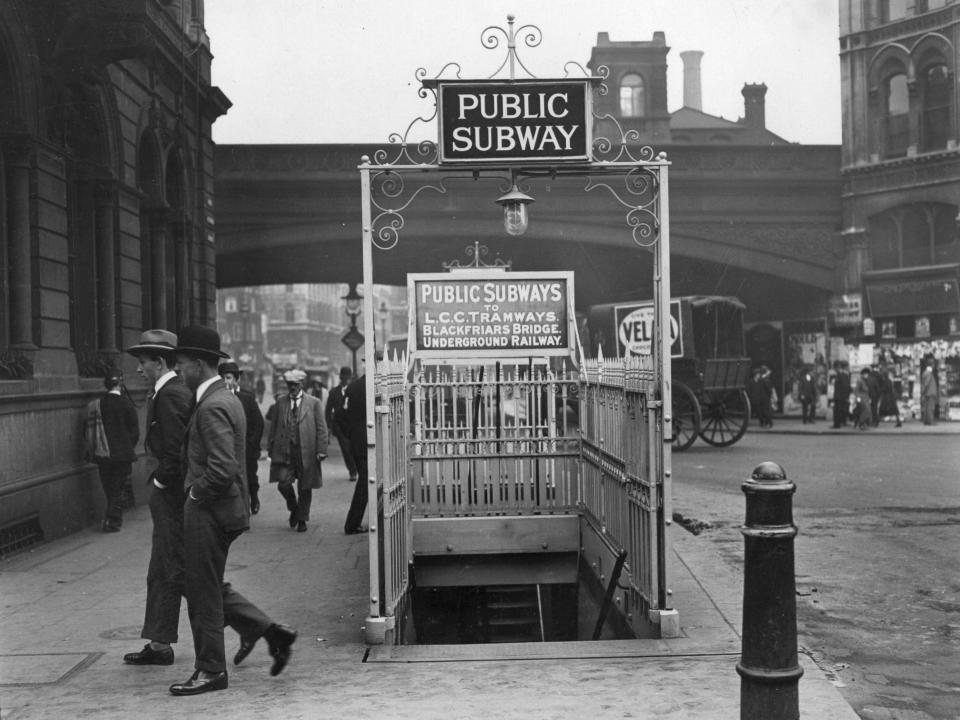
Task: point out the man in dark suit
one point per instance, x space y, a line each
353 424
169 403
230 372
297 445
333 409
214 515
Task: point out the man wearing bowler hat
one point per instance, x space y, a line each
230 372
216 512
169 403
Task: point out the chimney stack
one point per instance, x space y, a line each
692 96
754 105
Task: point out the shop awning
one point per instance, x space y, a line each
918 291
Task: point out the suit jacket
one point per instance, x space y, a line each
166 426
311 432
212 458
333 409
353 419
254 424
121 425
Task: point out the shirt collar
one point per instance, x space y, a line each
204 385
163 380
297 397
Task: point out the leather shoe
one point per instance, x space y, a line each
293 518
254 505
301 526
149 656
196 685
246 647
280 638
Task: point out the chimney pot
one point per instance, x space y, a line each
692 95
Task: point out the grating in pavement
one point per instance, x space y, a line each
42 668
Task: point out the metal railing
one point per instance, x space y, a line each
622 495
493 440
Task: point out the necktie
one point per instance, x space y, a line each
294 408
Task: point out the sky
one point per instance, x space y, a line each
344 71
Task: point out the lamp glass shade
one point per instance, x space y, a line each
515 218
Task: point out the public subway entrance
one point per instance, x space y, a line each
519 489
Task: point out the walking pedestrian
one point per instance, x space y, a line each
230 372
808 395
864 412
169 403
112 431
331 413
260 387
873 385
888 405
929 394
215 514
353 424
297 445
841 394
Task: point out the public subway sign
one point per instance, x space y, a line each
515 121
489 313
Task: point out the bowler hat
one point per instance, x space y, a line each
154 341
200 340
294 376
229 367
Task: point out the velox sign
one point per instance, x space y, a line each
635 327
496 121
502 314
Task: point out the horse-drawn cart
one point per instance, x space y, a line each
709 366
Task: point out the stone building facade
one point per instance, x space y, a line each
898 299
106 225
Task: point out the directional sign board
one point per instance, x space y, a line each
492 314
353 339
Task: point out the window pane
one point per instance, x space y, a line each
936 107
632 96
916 238
883 244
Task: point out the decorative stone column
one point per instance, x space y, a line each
856 258
106 267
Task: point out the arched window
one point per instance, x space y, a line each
936 97
632 96
914 235
896 118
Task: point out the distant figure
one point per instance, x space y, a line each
353 424
929 394
260 387
888 406
873 385
841 394
230 373
808 395
760 387
863 414
297 445
332 412
112 431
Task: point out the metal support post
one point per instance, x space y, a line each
768 665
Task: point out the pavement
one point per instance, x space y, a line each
70 609
789 425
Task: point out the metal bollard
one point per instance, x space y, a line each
768 668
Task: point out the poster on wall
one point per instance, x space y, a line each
492 314
805 348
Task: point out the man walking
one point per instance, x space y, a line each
297 445
841 394
214 515
353 424
169 403
230 372
333 408
112 432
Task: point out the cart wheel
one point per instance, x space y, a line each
726 415
686 417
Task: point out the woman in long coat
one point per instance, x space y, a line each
864 417
297 444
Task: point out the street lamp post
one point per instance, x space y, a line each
353 338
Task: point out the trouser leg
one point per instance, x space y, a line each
165 581
306 498
289 495
204 566
112 475
253 482
242 615
358 504
347 455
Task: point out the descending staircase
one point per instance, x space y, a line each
510 613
